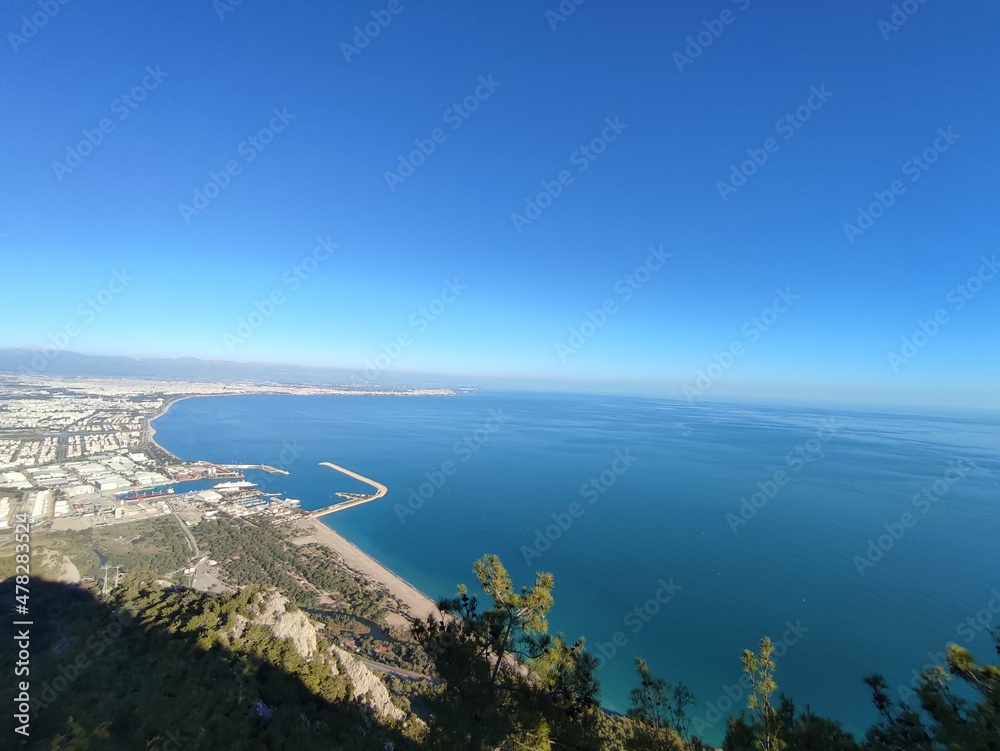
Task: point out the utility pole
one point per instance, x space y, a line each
117 569
104 589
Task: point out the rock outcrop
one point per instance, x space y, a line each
270 609
368 689
273 612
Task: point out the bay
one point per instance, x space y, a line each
860 540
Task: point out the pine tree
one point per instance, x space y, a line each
760 670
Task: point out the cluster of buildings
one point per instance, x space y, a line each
241 499
28 452
80 487
71 450
122 487
85 444
39 426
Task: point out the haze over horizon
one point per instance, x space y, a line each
720 200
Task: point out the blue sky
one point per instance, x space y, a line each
693 95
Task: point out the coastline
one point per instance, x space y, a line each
149 432
418 604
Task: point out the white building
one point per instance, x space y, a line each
148 479
74 491
39 500
111 482
14 480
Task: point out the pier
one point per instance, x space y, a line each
261 467
380 490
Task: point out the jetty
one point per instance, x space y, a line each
380 490
261 467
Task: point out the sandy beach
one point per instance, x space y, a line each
416 602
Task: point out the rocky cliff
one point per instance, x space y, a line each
271 609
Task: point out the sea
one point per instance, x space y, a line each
860 539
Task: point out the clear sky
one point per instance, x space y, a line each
494 177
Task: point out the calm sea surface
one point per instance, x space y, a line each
860 542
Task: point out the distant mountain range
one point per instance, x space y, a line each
66 363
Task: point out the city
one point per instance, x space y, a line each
79 452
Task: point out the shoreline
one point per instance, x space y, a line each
149 432
417 603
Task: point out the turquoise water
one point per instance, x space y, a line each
635 506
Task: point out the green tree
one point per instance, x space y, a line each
760 670
810 732
507 683
680 699
515 617
649 705
649 700
899 728
660 705
952 722
961 723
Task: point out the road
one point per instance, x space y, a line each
184 528
378 667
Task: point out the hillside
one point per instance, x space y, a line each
296 650
164 668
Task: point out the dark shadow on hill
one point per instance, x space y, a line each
102 678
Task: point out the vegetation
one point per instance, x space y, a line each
169 669
659 707
508 684
156 545
302 573
161 668
942 722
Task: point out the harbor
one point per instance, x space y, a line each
353 499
